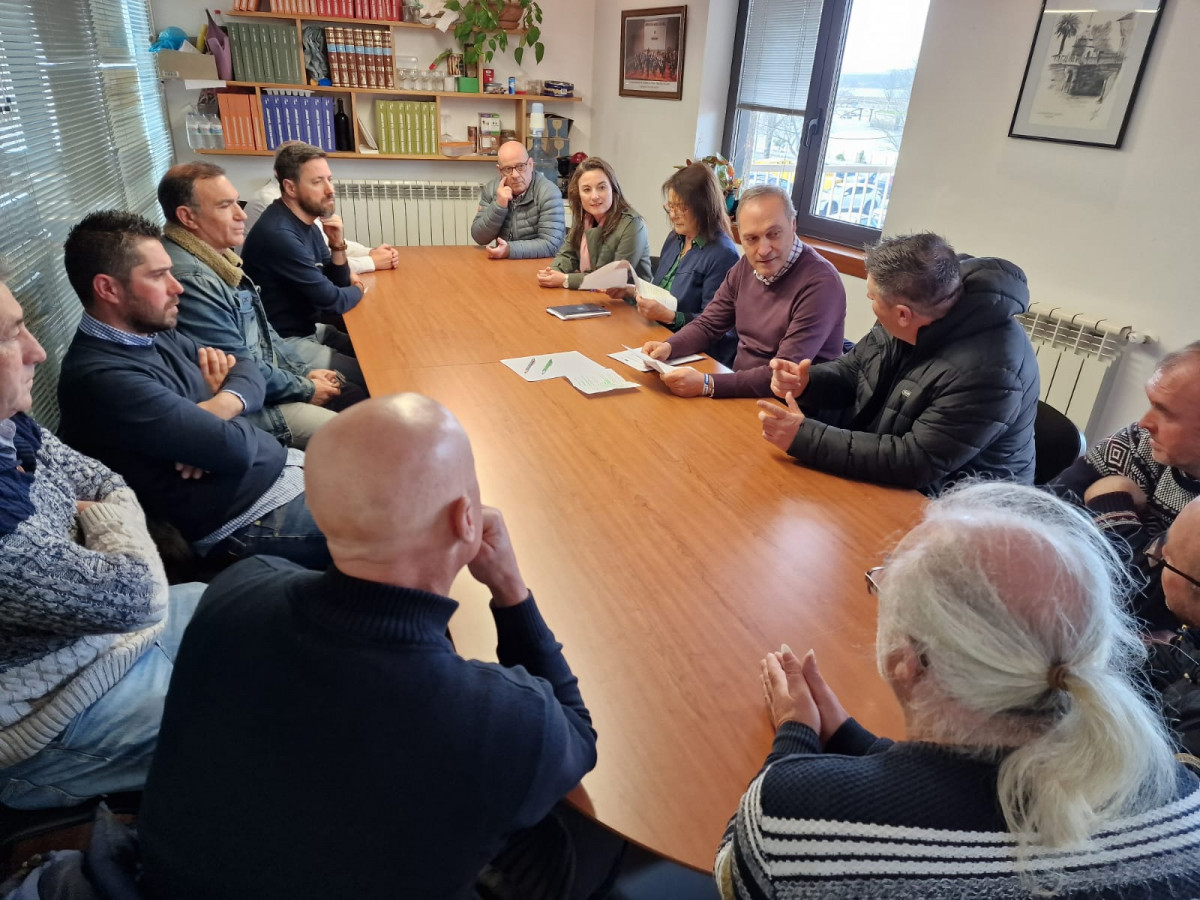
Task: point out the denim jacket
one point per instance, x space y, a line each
213 314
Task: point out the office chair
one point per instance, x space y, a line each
1056 441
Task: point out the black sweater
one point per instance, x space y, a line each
134 409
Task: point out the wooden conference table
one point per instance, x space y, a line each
667 544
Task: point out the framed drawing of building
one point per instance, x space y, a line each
1084 70
652 45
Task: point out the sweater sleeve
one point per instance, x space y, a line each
325 289
711 325
967 414
817 309
568 746
550 227
716 267
568 259
113 584
150 419
89 479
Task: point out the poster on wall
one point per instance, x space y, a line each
1084 70
652 44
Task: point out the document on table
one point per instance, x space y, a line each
584 374
615 274
553 365
638 360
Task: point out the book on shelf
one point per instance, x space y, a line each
287 117
265 53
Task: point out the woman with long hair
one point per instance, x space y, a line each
604 228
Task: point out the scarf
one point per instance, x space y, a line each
585 256
20 440
226 263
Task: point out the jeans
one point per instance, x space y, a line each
302 420
108 746
288 531
330 348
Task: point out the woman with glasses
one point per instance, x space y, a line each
695 256
604 228
1031 764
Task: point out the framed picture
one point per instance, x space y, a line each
1084 69
652 44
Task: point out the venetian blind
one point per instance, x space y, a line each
777 59
82 128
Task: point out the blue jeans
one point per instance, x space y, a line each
108 746
330 348
288 531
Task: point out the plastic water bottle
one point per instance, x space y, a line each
195 136
206 134
217 132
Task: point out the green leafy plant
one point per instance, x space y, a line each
483 28
723 169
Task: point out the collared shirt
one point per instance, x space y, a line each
288 485
797 249
669 278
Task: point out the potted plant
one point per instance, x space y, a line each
726 178
484 26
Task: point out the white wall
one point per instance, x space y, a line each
645 139
1109 233
567 58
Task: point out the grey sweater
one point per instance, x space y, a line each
82 597
532 224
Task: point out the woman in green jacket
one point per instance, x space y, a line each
604 228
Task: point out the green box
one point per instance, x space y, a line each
468 85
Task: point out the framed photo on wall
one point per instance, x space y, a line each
1084 70
652 45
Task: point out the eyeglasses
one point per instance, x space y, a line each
671 208
512 170
1154 557
874 579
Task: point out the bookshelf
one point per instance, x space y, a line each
364 97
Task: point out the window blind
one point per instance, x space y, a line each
777 59
82 128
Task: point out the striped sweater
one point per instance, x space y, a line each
869 818
82 596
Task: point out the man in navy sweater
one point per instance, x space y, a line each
168 414
322 738
302 281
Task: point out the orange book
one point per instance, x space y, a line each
256 122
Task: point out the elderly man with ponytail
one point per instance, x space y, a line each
1032 766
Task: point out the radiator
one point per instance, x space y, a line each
408 213
1075 354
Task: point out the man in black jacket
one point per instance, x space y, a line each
168 414
944 386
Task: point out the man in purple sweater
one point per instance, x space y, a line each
784 299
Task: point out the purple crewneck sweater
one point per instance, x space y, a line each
800 316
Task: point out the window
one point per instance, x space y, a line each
818 98
82 128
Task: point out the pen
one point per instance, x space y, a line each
532 360
548 364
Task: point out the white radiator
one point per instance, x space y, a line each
1075 354
408 213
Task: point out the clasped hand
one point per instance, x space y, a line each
795 691
495 563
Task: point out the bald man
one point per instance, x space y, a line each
520 214
1174 666
322 737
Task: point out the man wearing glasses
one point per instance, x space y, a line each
1174 664
1136 481
520 213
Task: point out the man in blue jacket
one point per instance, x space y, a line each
304 281
220 305
169 415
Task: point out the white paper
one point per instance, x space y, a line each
636 359
654 292
554 365
615 274
603 382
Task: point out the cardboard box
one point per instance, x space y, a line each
192 66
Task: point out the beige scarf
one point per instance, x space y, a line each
226 263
